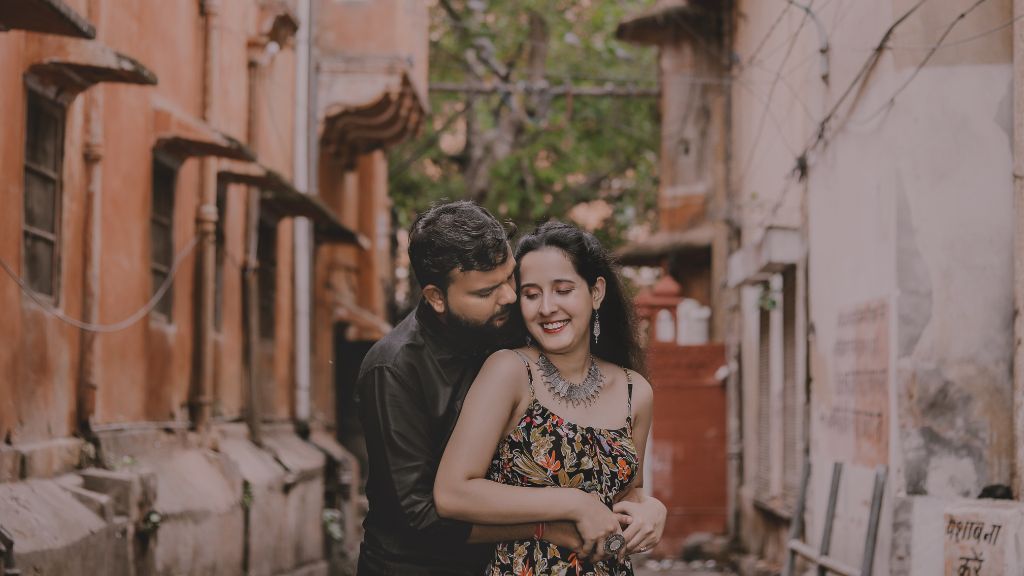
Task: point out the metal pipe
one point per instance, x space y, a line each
1018 244
830 514
302 232
206 222
825 564
85 399
253 414
876 514
253 411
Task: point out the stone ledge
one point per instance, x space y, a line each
118 445
302 460
99 504
314 569
10 464
131 493
49 458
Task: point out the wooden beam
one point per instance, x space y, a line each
606 90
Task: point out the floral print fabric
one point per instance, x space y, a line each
546 450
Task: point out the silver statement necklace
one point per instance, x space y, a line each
566 392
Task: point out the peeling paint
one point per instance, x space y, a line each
913 280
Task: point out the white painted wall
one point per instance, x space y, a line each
913 206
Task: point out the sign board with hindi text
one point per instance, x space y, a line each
983 538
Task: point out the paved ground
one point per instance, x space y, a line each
649 567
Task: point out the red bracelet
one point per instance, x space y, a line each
538 532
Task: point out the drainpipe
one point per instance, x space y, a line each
732 302
206 222
1018 245
303 255
253 413
93 154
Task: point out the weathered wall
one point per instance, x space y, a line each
909 230
144 371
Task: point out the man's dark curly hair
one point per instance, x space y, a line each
456 235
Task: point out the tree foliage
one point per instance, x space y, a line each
531 148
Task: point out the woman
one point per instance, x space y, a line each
568 413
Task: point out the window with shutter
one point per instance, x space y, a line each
44 152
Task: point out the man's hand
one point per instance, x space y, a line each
595 523
563 534
648 523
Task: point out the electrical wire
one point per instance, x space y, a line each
764 40
920 66
771 93
802 161
106 328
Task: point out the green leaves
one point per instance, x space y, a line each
531 149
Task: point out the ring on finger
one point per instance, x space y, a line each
614 543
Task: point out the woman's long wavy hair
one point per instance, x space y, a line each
619 342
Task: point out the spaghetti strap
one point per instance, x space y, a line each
529 372
629 397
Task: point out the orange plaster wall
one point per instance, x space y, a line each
39 358
145 371
11 144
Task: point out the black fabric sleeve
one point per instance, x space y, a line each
400 434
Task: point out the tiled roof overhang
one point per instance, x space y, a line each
672 20
662 244
280 199
184 136
46 16
72 66
351 130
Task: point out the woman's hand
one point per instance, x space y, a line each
595 523
647 524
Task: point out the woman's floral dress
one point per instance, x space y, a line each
546 450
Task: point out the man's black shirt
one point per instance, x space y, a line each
410 390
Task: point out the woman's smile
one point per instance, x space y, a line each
553 327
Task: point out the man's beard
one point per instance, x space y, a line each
485 335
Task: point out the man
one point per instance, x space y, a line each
411 387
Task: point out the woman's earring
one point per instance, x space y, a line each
597 326
529 341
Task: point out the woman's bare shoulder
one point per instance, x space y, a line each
642 390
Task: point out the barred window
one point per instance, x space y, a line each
44 151
165 175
